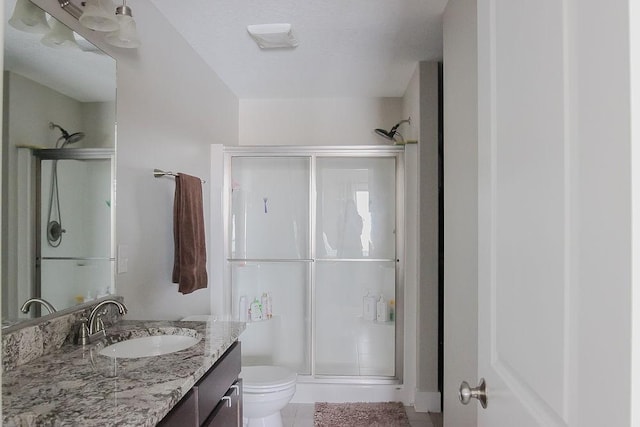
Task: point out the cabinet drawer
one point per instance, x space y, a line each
216 383
184 414
228 413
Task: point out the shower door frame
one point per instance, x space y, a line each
69 154
313 153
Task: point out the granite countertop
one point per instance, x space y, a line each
74 386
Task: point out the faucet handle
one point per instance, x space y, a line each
100 324
82 336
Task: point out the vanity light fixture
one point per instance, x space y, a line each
119 26
98 15
60 36
29 18
273 36
127 35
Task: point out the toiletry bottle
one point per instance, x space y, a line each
392 310
264 301
255 310
243 309
268 310
369 307
381 310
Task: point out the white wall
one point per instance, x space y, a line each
328 121
97 123
170 108
420 102
411 107
634 15
600 128
460 206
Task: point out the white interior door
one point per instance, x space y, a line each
524 217
554 275
553 214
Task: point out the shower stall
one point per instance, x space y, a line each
74 223
314 259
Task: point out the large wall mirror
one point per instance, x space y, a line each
58 172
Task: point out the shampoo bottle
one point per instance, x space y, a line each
243 310
269 306
381 310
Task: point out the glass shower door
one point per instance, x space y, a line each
270 258
321 303
355 271
75 258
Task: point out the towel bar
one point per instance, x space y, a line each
158 173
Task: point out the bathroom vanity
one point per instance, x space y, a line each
215 400
76 385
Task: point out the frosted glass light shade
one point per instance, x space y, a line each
29 17
99 15
126 36
60 36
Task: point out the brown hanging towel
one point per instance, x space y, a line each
190 256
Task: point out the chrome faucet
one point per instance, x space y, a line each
93 327
27 304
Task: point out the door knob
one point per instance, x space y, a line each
466 393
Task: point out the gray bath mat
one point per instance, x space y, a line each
384 414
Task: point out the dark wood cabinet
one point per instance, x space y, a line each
228 412
215 400
184 414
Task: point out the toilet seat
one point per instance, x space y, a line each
266 379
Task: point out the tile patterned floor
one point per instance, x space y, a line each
301 415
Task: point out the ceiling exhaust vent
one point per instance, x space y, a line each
273 36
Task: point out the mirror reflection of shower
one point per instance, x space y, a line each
54 217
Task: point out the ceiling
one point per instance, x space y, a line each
347 48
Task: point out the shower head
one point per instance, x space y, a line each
385 134
390 134
73 138
68 138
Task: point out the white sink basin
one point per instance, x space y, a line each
153 345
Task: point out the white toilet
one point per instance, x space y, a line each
266 389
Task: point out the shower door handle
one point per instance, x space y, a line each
466 393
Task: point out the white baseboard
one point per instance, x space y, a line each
427 401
